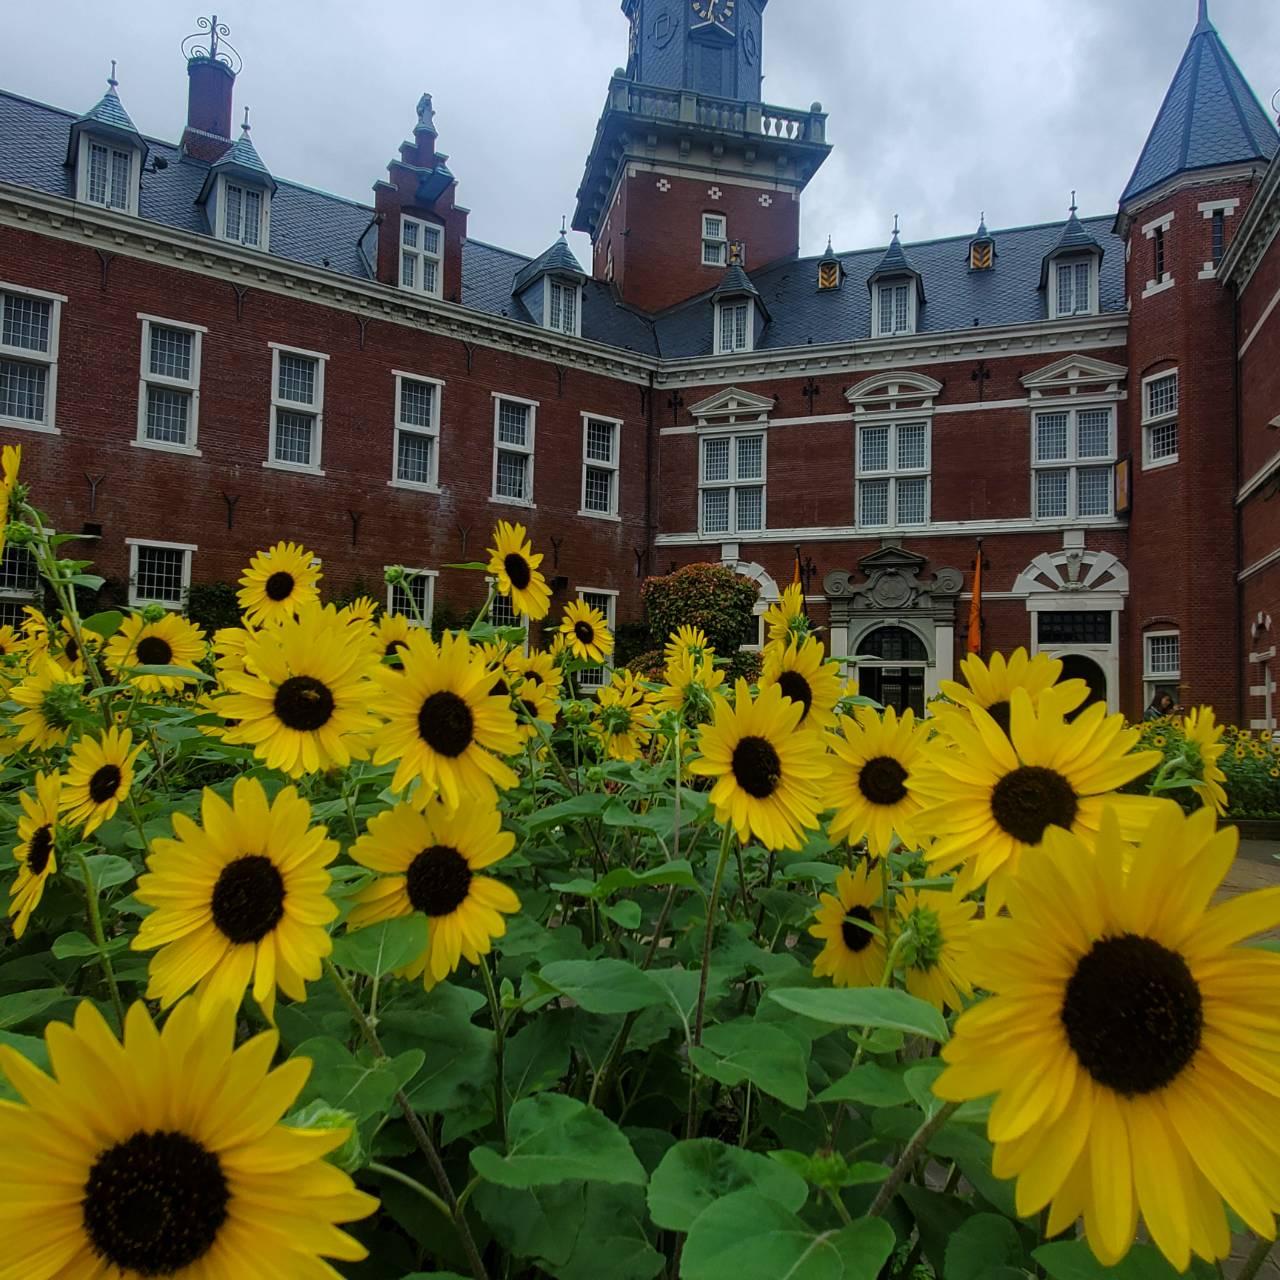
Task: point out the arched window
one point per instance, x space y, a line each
895 644
891 663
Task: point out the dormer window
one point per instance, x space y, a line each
828 275
981 255
734 327
107 153
563 311
108 175
420 254
895 308
715 240
1075 290
243 214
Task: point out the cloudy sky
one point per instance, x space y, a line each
938 109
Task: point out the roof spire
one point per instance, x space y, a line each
564 225
244 128
829 244
895 226
1073 201
1203 22
112 82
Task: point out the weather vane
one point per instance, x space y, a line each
217 48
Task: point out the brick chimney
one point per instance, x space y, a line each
212 65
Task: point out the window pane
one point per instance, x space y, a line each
600 441
1051 437
911 446
1065 279
512 475
168 412
1051 494
556 307
415 402
1164 655
1073 627
22 390
712 253
409 233
715 510
171 353
875 449
886 310
502 612
252 216
750 509
408 269
1162 396
97 186
413 457
430 274
119 180
18 570
712 227
900 308
431 241
160 574
873 502
1093 433
740 327
297 379
231 215
1093 491
1082 288
513 423
912 500
715 458
419 606
1162 441
25 322
293 437
750 458
598 494
570 310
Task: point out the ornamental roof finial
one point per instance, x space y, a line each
111 79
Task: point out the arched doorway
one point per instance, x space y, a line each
891 667
1076 666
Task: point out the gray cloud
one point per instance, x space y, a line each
938 110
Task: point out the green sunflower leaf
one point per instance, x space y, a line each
602 986
870 1085
550 1139
776 1063
382 947
1072 1260
104 624
614 1229
588 805
985 1241
865 1007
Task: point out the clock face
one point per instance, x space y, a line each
714 10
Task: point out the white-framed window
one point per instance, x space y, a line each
514 424
1161 663
502 613
731 482
29 323
159 572
1160 419
895 308
564 310
735 327
1073 287
244 214
607 603
415 462
169 384
715 240
1072 463
601 446
19 585
421 253
107 174
418 589
297 409
893 474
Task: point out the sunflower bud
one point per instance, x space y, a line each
18 534
154 613
393 574
320 1115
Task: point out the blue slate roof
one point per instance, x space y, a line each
735 284
1209 117
895 261
109 111
242 154
557 258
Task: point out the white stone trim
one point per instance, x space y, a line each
1162 223
1227 207
1262 320
1260 476
49 359
190 548
851 533
528 450
614 466
315 409
191 385
1158 286
432 432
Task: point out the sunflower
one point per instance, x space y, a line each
1206 739
685 642
35 630
515 571
586 632
693 687
1158 740
936 933
171 642
51 697
874 786
534 682
229 645
71 656
9 461
798 668
445 728
35 852
393 634
786 616
995 796
278 583
239 897
768 778
10 642
99 775
990 685
302 700
854 955
621 720
428 862
1131 1040
163 1155
359 613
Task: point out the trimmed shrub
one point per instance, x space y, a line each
213 605
709 596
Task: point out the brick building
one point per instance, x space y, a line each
200 356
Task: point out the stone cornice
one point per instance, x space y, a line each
1256 231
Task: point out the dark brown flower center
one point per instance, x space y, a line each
153 1205
1029 799
248 898
999 712
438 880
153 651
501 689
104 784
856 938
1133 1014
73 649
40 850
796 687
882 780
585 632
279 586
756 767
518 570
303 703
445 723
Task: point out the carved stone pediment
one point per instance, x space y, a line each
892 580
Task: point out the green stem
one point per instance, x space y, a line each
725 841
499 1037
416 1127
386 1171
834 1196
1253 1263
911 1153
100 937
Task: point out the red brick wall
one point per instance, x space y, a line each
148 494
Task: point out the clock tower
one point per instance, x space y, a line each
690 171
